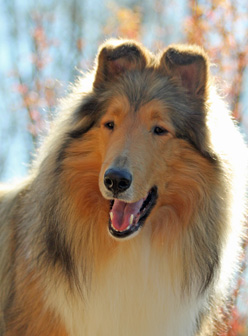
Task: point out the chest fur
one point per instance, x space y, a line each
132 294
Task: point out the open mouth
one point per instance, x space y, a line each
127 218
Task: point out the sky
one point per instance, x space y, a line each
91 17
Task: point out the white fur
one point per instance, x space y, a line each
132 296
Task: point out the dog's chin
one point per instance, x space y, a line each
126 219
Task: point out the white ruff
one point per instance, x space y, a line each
132 296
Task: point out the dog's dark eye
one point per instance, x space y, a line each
109 125
159 130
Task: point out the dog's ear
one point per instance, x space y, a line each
116 57
189 64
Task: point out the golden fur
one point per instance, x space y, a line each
61 271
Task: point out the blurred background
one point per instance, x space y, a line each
46 44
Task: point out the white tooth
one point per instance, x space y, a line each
111 215
131 219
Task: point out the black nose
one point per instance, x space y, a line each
117 180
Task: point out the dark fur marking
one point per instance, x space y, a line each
207 266
211 265
123 51
89 107
61 155
73 135
78 133
180 58
58 251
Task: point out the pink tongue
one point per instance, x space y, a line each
121 213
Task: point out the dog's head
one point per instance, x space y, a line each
153 135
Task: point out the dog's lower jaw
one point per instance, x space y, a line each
136 217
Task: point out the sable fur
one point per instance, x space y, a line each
61 272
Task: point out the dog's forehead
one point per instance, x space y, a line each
143 86
121 106
138 89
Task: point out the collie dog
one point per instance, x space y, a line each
130 222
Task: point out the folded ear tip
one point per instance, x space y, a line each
190 64
114 43
117 56
185 54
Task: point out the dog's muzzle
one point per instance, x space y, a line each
117 180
